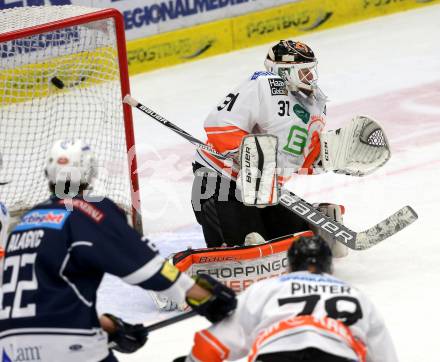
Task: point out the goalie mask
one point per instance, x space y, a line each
295 63
310 251
70 160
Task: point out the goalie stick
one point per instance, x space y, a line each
199 144
332 229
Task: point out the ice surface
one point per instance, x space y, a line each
388 68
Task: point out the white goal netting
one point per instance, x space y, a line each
61 83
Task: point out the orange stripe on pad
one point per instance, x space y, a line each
240 254
315 151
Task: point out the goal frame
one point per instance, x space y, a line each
100 14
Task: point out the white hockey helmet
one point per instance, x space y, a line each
295 63
70 160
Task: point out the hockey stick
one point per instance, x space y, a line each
199 144
332 229
169 321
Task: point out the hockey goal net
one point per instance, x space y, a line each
63 74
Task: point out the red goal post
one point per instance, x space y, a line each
63 74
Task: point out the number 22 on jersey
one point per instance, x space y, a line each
17 263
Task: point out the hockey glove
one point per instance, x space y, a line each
219 305
127 338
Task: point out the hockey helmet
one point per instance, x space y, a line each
308 251
295 63
70 160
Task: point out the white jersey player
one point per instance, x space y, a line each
306 315
283 101
286 103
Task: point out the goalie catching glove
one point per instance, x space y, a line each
357 149
127 338
219 305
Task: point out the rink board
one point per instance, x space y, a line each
255 28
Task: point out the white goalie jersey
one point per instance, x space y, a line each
297 311
263 105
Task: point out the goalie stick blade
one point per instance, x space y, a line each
386 228
336 231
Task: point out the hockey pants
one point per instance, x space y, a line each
225 219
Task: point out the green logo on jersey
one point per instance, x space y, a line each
296 141
301 113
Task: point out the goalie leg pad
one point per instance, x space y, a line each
258 170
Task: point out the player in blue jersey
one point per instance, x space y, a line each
55 259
